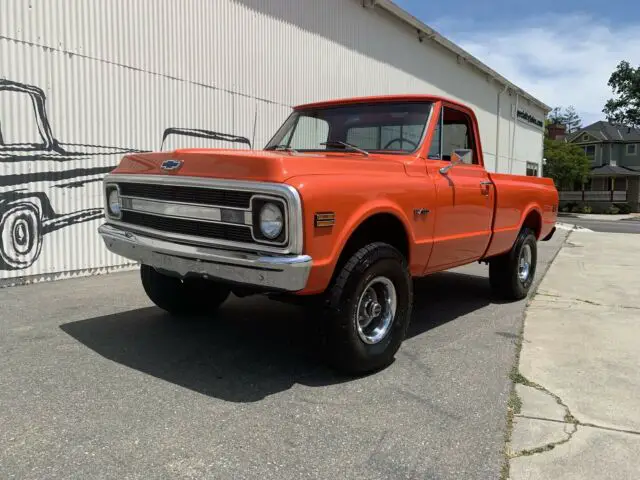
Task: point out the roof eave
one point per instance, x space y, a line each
406 17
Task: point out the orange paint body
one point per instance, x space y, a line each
467 220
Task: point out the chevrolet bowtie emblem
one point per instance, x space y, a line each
171 164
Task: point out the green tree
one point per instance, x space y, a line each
566 164
624 109
555 116
571 119
565 116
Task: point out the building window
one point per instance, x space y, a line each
620 184
532 169
590 150
632 149
600 184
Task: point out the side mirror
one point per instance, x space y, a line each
459 155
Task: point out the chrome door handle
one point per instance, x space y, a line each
486 184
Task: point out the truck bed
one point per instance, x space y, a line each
516 197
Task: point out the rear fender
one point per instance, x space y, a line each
531 208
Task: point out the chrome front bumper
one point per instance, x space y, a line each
285 272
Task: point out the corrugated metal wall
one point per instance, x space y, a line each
84 81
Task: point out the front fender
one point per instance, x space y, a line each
353 200
361 215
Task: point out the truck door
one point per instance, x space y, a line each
464 193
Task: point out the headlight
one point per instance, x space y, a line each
113 203
271 220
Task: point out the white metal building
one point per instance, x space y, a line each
81 83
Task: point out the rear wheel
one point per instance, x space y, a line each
511 274
369 309
191 296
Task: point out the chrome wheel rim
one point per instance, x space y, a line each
376 310
524 263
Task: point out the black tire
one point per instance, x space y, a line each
504 270
193 296
346 350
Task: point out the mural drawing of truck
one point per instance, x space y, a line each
46 185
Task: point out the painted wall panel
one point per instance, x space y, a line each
110 77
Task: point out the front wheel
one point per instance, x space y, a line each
369 309
191 296
511 274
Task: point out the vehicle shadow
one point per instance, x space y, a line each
255 347
443 297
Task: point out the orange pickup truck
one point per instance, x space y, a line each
349 201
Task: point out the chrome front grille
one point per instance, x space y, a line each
195 228
186 194
205 211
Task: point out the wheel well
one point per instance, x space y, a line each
381 227
534 222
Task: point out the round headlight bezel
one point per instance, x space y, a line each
258 205
113 191
271 215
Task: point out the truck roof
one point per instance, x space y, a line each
380 99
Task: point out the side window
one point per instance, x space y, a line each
309 133
454 131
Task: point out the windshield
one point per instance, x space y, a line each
392 127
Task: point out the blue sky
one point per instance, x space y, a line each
562 52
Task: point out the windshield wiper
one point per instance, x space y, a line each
282 147
345 144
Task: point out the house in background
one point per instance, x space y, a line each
614 151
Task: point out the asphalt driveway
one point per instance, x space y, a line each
600 223
96 383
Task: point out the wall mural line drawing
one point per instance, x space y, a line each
47 185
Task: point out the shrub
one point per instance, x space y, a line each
623 207
587 209
576 209
612 210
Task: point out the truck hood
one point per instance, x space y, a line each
255 165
